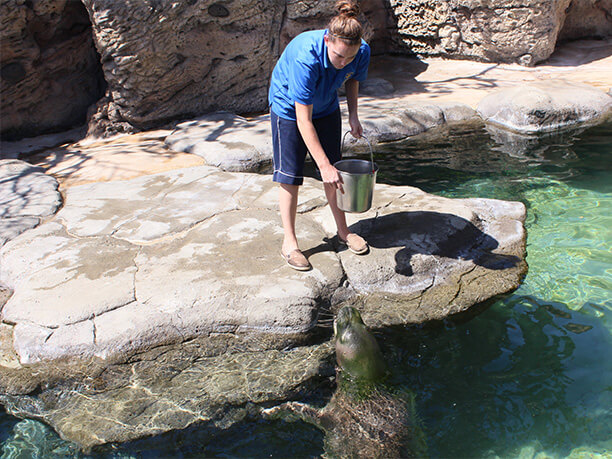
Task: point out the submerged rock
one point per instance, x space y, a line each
216 382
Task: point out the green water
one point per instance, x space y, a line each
531 376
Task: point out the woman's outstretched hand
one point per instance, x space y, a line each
330 175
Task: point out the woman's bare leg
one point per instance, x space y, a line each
288 198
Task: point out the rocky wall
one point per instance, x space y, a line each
587 19
165 60
50 72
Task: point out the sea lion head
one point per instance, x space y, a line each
357 351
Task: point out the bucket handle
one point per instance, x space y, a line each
369 144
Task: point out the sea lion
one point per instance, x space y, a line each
357 351
363 418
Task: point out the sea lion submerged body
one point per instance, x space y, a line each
357 351
362 419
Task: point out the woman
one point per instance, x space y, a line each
305 115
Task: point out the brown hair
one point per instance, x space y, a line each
345 25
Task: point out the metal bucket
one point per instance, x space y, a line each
359 177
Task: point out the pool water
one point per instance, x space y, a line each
530 376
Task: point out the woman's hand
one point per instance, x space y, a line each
330 175
356 128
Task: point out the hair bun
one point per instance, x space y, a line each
347 8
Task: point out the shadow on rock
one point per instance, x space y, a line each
432 233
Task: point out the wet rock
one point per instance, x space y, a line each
185 311
168 388
545 106
152 270
517 144
431 257
35 439
392 124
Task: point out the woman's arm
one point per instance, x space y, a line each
352 90
329 174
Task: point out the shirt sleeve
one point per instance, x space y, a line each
302 80
361 73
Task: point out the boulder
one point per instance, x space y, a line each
187 313
237 144
426 250
167 60
495 31
49 67
544 106
406 120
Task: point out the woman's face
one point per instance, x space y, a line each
340 54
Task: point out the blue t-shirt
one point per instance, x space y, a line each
305 74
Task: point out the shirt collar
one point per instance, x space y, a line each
326 62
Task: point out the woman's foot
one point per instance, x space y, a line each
297 260
355 243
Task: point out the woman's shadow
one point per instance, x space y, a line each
432 233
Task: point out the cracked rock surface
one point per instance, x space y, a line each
129 265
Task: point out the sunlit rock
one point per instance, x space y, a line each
227 141
544 106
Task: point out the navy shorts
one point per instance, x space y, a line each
290 149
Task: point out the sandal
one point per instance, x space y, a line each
296 260
355 243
